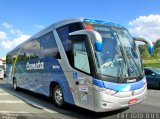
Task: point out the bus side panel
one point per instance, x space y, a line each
38 78
29 79
54 72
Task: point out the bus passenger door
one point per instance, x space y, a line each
80 60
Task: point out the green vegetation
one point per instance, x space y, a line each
151 60
155 63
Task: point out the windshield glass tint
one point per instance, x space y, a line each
120 56
157 71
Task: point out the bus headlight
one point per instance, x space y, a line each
105 90
110 91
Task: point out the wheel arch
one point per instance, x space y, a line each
52 86
13 78
68 97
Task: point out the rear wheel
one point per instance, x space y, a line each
15 84
58 97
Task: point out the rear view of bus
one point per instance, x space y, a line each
85 62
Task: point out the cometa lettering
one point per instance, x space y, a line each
35 66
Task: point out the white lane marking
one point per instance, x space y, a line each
1 90
29 101
39 106
49 110
1 94
15 112
11 101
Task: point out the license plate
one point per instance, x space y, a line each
132 101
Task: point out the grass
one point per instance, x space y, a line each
155 63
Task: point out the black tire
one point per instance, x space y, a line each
15 85
58 97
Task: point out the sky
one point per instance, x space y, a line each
20 19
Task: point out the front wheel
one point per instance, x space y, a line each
58 97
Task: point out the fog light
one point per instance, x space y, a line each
104 103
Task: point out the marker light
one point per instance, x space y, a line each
89 27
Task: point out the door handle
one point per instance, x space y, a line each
77 82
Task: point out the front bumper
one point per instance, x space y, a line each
104 102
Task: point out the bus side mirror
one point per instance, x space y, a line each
148 42
94 36
98 46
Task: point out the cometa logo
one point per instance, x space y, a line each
35 66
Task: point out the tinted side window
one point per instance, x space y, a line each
49 46
21 55
9 59
34 49
13 56
80 57
30 50
64 31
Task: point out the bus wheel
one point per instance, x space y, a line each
58 97
14 84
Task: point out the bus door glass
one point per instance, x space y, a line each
80 60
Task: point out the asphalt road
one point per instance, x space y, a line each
23 104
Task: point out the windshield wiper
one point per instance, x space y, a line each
120 68
120 71
131 57
123 53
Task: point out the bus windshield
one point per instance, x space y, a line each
120 56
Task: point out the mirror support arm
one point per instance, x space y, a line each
148 42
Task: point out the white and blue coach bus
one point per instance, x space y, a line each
90 63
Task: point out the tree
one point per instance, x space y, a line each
157 49
144 52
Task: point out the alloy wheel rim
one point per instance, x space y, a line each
14 85
58 96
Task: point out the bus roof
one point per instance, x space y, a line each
89 20
102 22
65 22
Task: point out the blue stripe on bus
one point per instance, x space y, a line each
120 87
